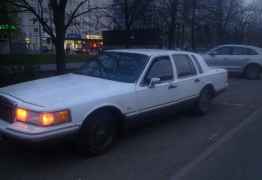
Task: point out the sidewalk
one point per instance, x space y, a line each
239 158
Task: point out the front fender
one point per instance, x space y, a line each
80 113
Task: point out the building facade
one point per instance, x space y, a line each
88 24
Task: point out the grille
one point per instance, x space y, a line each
6 109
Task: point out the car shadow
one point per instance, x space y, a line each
28 158
61 150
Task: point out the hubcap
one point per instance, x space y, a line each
103 135
204 102
253 72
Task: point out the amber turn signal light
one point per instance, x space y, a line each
21 115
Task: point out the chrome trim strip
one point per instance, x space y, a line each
159 106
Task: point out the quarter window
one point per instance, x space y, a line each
184 66
200 70
160 68
251 52
243 51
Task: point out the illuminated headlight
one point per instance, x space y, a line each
42 118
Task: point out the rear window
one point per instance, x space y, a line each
249 51
200 70
243 51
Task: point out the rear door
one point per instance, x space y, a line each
188 80
240 57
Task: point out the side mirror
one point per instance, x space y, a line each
153 82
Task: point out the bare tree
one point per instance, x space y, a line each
126 14
247 25
168 13
193 22
221 14
61 21
9 20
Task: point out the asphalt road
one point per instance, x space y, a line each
159 150
237 158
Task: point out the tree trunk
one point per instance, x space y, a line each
172 26
193 44
171 35
10 41
60 55
59 20
219 24
127 37
127 25
183 36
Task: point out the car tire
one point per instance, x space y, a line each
97 135
202 105
253 72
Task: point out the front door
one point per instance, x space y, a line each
150 98
240 57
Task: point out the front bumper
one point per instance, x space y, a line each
30 133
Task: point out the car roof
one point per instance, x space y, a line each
241 45
148 52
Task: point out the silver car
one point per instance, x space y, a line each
237 58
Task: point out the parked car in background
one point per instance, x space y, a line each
243 59
44 49
116 87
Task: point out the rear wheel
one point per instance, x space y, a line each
203 103
97 134
253 72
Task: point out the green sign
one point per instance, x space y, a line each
7 27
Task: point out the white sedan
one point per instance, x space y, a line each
94 103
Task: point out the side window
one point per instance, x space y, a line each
223 51
238 51
200 70
160 68
249 51
184 66
243 51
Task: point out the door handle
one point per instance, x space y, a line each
172 86
197 80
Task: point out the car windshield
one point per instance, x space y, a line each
116 66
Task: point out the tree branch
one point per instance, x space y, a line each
77 14
23 5
74 13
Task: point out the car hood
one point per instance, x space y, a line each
69 88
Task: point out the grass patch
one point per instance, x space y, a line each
38 59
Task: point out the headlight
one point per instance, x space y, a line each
42 118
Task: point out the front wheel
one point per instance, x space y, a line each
97 134
203 103
253 72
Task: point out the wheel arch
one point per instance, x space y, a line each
115 110
211 87
250 64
